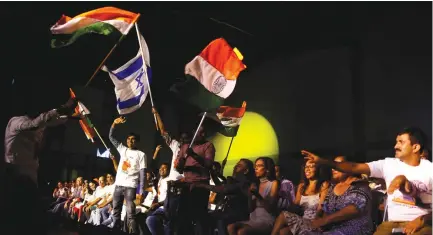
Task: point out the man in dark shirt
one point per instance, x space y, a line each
235 206
195 163
23 140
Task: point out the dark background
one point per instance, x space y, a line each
330 77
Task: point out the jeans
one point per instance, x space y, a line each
58 209
128 194
104 212
155 221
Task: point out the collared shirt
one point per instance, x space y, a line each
193 171
23 137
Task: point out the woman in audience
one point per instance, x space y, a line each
262 201
310 195
346 209
88 195
60 194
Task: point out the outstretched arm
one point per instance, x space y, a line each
346 167
24 123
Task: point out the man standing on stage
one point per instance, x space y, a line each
24 137
131 174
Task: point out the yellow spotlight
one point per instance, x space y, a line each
256 138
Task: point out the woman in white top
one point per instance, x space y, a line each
60 194
310 195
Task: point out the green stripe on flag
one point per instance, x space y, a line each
229 131
89 123
62 40
193 92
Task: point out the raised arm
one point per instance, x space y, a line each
346 167
113 140
155 154
167 138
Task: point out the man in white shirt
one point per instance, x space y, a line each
130 175
408 178
154 221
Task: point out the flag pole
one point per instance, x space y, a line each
223 164
103 142
147 78
111 51
196 131
96 131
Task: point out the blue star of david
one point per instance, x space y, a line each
138 79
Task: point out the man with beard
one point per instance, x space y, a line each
409 180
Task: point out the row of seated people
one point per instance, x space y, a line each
254 201
229 203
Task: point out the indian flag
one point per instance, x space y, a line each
85 124
105 21
211 76
230 119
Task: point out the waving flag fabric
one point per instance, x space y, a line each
211 76
105 21
130 81
85 123
230 119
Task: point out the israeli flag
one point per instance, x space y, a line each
130 81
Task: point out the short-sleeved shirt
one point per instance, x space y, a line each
403 207
130 164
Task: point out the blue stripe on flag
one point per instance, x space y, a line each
135 100
130 102
134 67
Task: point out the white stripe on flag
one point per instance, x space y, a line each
130 81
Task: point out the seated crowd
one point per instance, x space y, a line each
333 196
